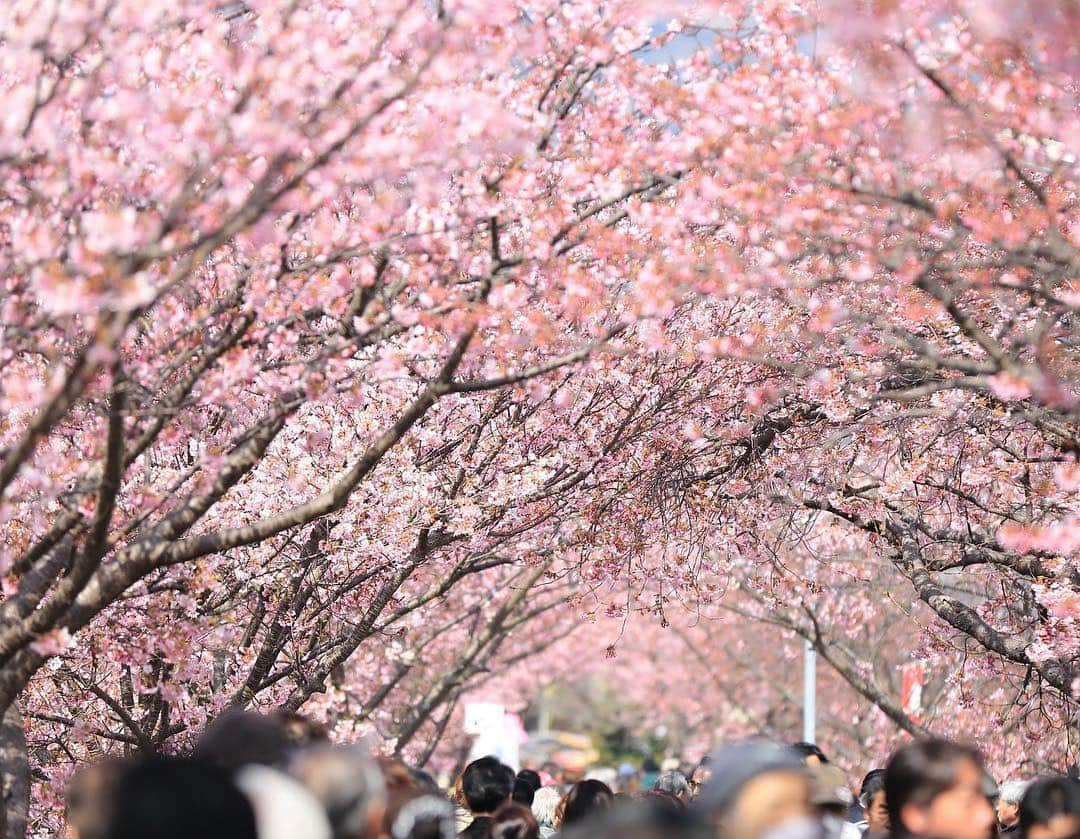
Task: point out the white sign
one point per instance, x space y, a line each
484 718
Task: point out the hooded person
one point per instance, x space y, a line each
759 790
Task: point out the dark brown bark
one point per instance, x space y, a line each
14 775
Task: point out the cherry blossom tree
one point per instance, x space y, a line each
346 343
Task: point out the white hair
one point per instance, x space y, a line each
544 803
283 808
672 782
1012 791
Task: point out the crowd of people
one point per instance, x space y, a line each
278 776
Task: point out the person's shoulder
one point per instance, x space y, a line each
477 829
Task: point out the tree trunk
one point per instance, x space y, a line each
14 775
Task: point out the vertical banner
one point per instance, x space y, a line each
913 677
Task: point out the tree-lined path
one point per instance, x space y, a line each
356 354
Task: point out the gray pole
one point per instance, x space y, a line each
809 686
809 706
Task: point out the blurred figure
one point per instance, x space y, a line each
674 783
872 799
585 799
522 793
513 821
642 820
347 783
1050 809
545 802
700 777
424 781
283 808
831 798
759 789
657 798
86 809
553 771
604 774
241 738
300 731
650 769
462 816
486 784
177 798
410 812
811 754
935 788
530 777
419 815
1008 806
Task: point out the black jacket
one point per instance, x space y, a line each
478 829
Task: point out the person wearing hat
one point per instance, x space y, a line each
830 796
759 790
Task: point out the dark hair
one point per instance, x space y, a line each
659 799
920 771
810 750
486 783
531 777
644 818
87 805
513 821
523 792
241 738
1047 798
584 799
424 781
178 798
872 784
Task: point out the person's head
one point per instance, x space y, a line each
1050 809
530 777
700 777
584 799
513 821
486 784
242 738
829 791
422 816
553 770
347 783
177 798
643 817
424 781
934 788
522 792
284 809
86 809
1008 802
300 731
656 798
756 788
872 799
812 755
674 783
545 801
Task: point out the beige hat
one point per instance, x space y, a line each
828 787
